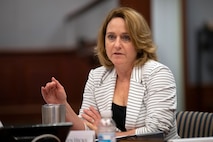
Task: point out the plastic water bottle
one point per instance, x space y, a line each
106 127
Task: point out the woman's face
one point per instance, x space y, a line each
119 47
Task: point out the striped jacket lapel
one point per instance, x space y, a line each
105 91
135 98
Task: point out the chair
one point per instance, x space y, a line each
194 124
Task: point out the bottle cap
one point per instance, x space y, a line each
106 113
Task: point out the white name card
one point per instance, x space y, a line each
81 136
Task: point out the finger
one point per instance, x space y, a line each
50 87
44 94
91 126
53 79
90 114
56 81
95 114
88 118
43 91
50 84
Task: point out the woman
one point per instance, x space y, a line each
140 91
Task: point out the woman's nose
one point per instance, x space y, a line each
117 42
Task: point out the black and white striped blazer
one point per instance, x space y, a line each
151 102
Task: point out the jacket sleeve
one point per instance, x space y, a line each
160 100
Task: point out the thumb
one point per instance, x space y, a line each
56 81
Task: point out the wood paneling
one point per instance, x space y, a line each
23 73
198 97
142 6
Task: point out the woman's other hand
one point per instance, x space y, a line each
53 92
91 118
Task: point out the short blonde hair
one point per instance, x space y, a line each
140 34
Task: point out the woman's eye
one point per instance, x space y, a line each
125 38
111 37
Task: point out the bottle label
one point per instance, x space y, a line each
106 137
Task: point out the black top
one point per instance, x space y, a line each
119 116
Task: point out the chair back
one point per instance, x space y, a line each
194 124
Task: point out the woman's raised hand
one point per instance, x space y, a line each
53 92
